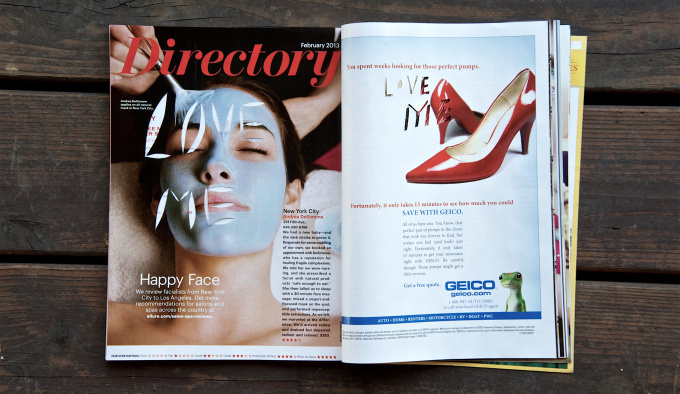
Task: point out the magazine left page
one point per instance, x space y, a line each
224 214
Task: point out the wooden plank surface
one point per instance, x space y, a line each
632 46
55 192
629 218
54 156
52 339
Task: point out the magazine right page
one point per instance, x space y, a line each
448 230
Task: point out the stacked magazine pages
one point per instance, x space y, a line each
413 200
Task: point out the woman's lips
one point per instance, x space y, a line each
220 199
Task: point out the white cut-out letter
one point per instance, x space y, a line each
201 131
155 124
161 207
185 124
192 211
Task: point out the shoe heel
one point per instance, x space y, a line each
442 131
525 133
443 118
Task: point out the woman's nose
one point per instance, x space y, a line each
215 171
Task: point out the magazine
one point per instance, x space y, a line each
250 219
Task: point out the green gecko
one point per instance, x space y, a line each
513 281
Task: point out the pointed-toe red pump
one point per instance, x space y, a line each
447 106
481 155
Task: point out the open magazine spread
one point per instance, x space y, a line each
234 234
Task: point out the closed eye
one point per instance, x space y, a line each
254 150
255 142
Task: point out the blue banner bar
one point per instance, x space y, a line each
438 317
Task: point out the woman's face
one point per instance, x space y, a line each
235 177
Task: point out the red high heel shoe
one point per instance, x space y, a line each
448 105
481 155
